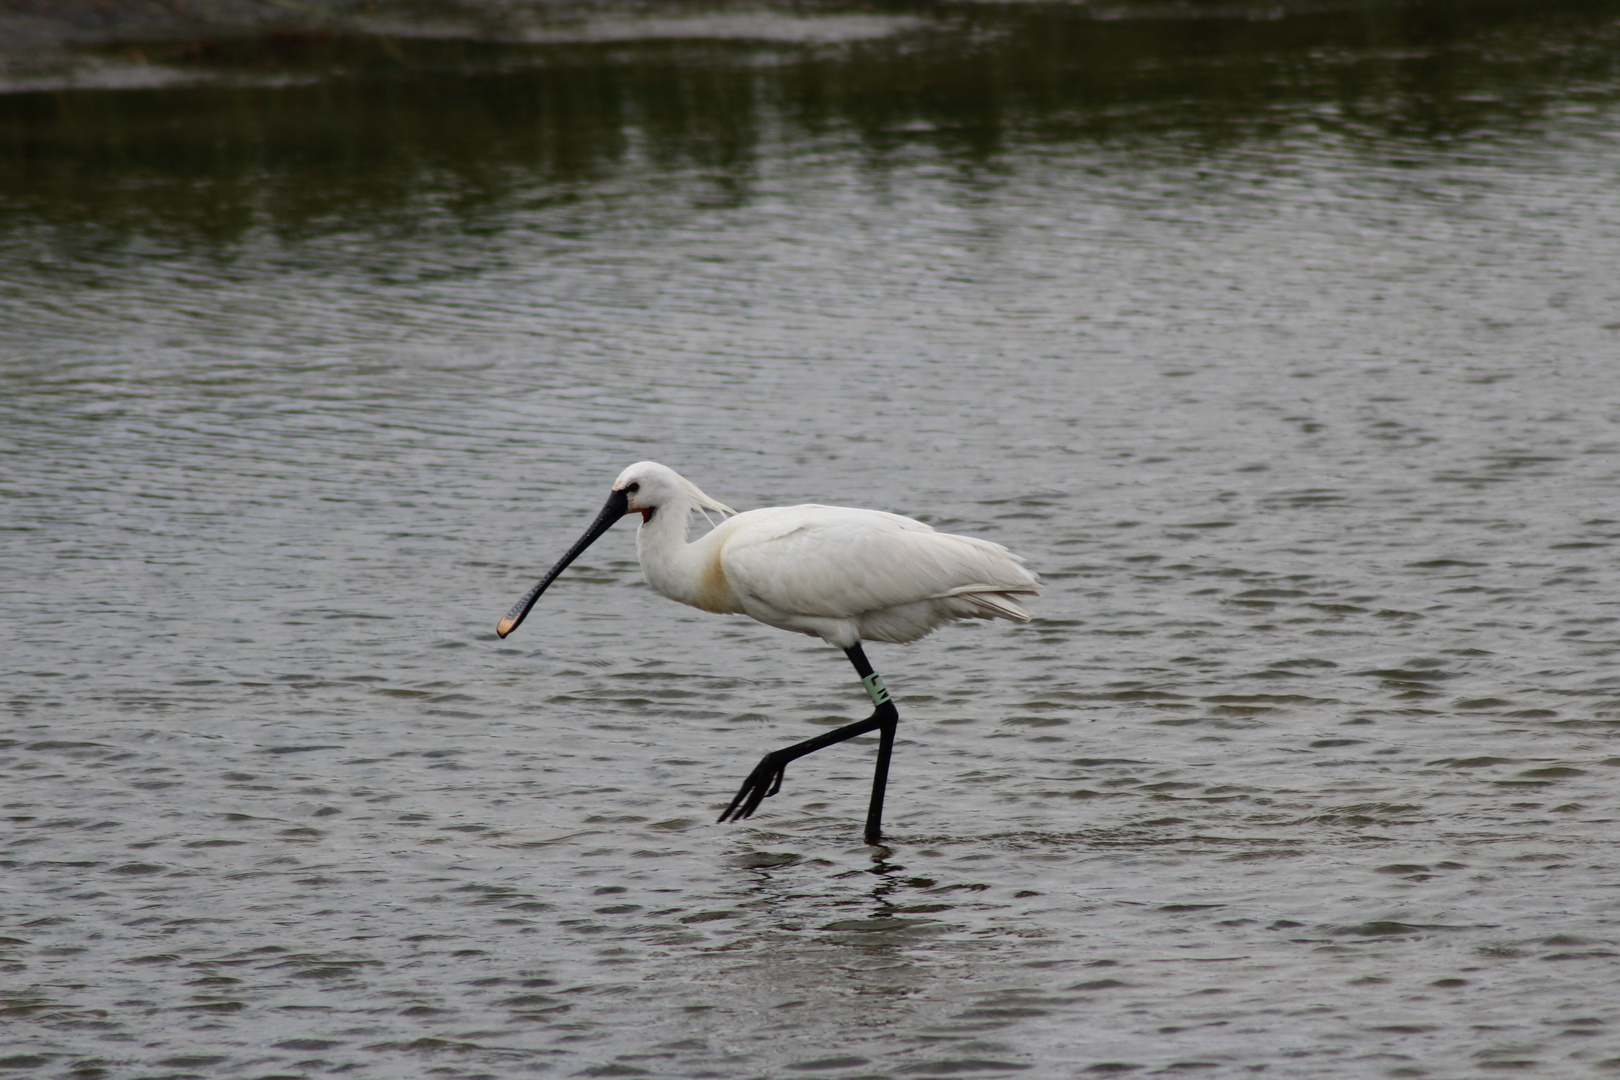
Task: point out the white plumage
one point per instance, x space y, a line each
834 572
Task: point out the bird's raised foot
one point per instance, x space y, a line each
762 783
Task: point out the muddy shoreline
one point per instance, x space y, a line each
88 44
29 25
102 44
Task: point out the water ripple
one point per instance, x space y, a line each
1303 766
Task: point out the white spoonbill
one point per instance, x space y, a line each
832 572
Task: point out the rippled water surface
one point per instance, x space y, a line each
1283 343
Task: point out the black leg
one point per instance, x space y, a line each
766 779
889 719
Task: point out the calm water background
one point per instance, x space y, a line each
1281 341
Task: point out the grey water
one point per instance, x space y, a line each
1283 341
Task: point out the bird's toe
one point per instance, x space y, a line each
762 783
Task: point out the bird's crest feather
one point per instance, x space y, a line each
703 503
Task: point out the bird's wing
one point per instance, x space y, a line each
839 562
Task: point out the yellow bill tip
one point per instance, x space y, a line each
505 627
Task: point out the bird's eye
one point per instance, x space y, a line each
633 488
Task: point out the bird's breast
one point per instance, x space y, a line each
714 591
692 575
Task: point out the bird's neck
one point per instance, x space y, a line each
688 573
661 541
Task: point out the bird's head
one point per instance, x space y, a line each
647 485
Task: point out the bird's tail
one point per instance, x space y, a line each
999 605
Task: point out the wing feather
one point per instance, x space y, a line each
841 562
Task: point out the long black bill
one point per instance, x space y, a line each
618 505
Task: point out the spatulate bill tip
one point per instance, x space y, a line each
505 626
